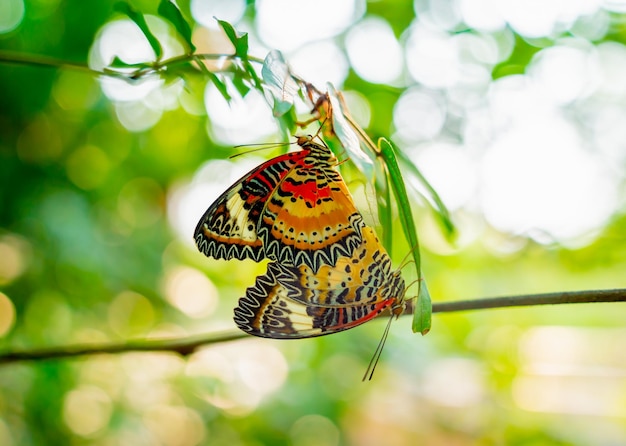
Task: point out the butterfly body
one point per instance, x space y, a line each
294 208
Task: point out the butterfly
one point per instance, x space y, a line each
294 209
291 302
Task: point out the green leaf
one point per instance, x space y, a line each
119 63
423 321
240 84
240 42
220 85
255 77
442 213
170 12
422 311
278 78
287 122
140 21
279 81
383 202
281 108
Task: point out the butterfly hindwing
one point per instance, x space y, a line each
295 302
293 209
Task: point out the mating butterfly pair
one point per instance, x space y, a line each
328 270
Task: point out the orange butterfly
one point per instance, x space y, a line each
329 272
293 209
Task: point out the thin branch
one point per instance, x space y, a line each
525 300
187 346
130 74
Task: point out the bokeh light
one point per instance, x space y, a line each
206 11
191 292
175 425
87 410
519 193
245 374
282 24
240 120
431 57
14 257
131 314
419 114
374 52
455 382
572 370
314 430
139 104
7 314
442 162
140 202
321 62
88 167
11 15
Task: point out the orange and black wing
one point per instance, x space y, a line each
296 302
293 209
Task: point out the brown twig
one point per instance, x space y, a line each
187 346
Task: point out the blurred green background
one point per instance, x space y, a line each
515 112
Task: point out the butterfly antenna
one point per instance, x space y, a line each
405 260
317 134
379 349
409 286
261 146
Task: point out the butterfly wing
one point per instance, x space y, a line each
295 302
365 277
294 209
269 311
311 219
229 227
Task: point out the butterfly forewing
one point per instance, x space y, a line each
294 208
311 219
229 228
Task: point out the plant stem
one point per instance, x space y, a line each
187 346
130 74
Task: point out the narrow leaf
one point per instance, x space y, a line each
421 324
383 202
220 85
255 77
140 21
239 83
422 312
170 12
